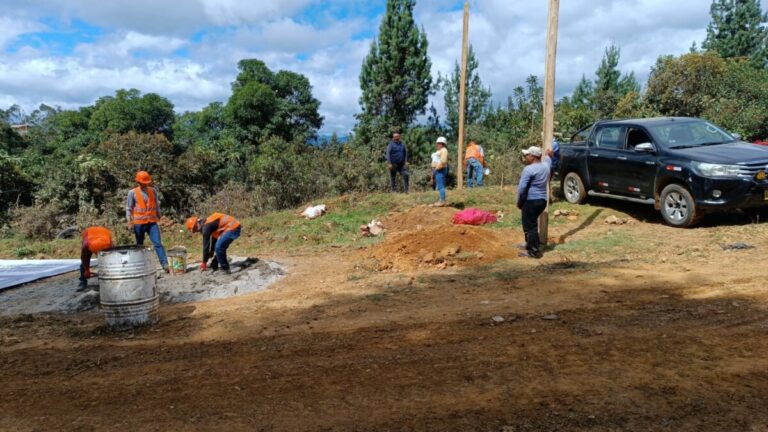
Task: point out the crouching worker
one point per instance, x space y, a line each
219 231
95 240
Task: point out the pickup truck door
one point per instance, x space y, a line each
638 167
606 146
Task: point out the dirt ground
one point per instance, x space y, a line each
621 328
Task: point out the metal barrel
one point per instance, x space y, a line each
128 287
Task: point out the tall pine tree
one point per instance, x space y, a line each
395 77
610 86
478 96
738 29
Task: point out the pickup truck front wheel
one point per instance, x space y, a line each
678 207
573 189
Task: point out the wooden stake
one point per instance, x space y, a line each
462 98
549 104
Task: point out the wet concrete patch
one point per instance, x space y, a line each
59 294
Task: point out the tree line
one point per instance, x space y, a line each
260 151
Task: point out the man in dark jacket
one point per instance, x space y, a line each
397 162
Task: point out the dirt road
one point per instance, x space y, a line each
661 329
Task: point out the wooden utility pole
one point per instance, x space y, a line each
462 98
549 103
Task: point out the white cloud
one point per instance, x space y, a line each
12 28
229 12
141 38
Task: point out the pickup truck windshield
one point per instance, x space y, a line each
680 135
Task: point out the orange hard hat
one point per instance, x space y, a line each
191 223
143 178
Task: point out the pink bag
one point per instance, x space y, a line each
473 216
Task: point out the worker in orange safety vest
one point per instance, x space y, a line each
474 164
95 240
142 211
219 231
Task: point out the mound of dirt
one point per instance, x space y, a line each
418 218
443 246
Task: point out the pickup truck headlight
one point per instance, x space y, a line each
717 170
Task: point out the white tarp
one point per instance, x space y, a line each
17 272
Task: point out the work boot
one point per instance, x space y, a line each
82 286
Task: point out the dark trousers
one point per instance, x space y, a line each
402 169
532 209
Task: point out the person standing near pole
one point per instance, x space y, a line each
532 197
440 167
142 211
397 162
474 164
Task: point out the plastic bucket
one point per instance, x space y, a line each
177 261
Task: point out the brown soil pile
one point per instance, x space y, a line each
426 237
418 218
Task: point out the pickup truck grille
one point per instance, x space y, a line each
752 168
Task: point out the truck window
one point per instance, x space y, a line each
609 137
636 136
581 137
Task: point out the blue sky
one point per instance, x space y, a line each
69 53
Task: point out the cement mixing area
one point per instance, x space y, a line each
128 287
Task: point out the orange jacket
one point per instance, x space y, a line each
97 239
144 212
226 223
473 151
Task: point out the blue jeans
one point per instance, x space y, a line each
440 182
154 236
222 244
474 165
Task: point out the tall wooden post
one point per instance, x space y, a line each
549 103
462 99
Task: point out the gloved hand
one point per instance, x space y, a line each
203 267
87 274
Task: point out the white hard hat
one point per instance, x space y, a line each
442 140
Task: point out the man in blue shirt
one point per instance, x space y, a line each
532 197
397 162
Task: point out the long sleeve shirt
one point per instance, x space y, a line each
396 153
537 175
442 162
209 243
130 203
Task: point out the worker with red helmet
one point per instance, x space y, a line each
219 231
95 240
142 211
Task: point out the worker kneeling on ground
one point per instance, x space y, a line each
224 230
95 240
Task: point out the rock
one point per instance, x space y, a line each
737 246
450 251
557 213
551 317
612 220
442 266
428 258
498 319
573 218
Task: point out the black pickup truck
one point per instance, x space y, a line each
685 167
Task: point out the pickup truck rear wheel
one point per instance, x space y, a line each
678 207
573 189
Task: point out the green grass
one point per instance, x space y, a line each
287 232
613 241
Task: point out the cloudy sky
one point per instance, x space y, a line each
68 53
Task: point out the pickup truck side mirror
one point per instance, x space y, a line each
736 136
644 148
